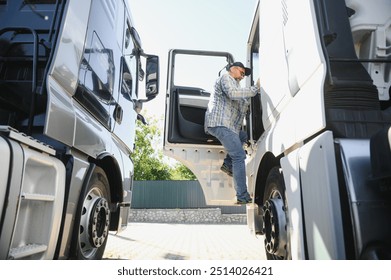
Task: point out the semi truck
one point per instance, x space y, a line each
73 78
318 157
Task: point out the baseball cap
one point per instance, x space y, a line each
239 64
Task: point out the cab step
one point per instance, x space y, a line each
26 251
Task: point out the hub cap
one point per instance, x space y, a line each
94 224
275 226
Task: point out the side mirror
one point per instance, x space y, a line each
152 77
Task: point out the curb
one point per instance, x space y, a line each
185 216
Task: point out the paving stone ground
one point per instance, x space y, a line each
159 241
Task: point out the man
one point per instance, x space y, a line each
224 118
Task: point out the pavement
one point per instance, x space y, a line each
158 241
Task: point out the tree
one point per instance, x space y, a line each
181 172
149 161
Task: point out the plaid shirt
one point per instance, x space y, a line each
228 104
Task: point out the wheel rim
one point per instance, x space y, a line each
275 225
94 223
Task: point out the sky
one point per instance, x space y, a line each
213 25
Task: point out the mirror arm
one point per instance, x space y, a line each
142 119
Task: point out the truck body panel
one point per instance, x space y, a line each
35 197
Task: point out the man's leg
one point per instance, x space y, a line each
234 147
227 165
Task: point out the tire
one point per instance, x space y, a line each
275 222
93 218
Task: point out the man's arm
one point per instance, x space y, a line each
234 92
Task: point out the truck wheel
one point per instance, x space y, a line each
275 217
93 218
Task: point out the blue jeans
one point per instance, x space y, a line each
233 144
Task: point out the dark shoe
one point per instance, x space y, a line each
239 201
226 170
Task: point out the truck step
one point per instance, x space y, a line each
25 251
37 197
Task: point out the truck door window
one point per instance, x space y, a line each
127 37
130 64
101 70
254 66
96 80
129 77
255 129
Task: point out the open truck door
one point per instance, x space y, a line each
191 77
